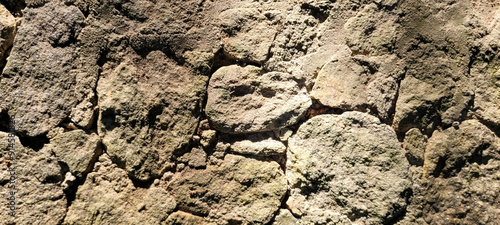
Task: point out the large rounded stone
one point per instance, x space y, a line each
245 99
347 168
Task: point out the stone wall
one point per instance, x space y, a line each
276 112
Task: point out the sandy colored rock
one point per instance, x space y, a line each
372 31
436 45
208 138
250 34
360 83
259 144
183 218
38 80
39 196
347 168
244 99
134 73
196 158
7 31
108 196
241 190
284 217
149 108
414 145
76 149
461 174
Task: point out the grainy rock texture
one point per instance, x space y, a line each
75 149
7 31
148 109
311 112
108 196
461 173
39 81
246 99
36 176
360 83
261 144
347 168
239 191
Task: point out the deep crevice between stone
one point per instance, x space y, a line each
222 59
71 191
4 120
14 7
36 143
407 194
392 110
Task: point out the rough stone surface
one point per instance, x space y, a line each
240 191
7 31
76 149
485 69
414 145
108 196
347 167
149 108
250 33
436 45
284 217
260 144
373 31
360 83
196 158
39 80
461 176
245 99
198 105
39 196
183 218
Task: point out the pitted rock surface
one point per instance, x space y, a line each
347 168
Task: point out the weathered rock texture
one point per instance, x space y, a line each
360 83
246 99
346 168
239 191
148 109
37 176
251 111
39 82
108 196
461 173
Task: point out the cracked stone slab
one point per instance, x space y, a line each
245 99
347 168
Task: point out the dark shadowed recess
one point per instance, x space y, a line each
14 6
